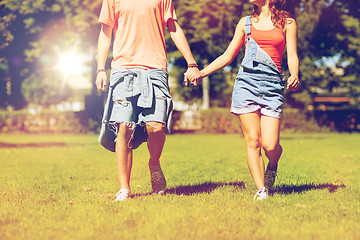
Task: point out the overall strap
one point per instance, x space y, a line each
248 25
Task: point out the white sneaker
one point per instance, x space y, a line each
261 194
122 195
158 181
269 177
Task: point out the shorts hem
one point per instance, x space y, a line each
238 111
269 113
146 120
112 122
266 112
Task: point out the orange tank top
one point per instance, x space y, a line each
271 41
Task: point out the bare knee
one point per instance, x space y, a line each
272 148
155 128
253 142
125 130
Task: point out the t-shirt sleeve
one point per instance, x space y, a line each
169 10
107 13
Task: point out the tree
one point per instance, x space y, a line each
350 56
39 29
209 26
335 34
44 90
326 28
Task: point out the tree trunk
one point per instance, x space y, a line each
206 97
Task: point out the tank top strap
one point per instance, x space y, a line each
248 25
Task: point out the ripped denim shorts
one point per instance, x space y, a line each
126 110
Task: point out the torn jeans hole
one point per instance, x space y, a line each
161 97
121 102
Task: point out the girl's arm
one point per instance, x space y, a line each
293 60
228 56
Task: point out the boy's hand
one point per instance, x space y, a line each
101 81
194 75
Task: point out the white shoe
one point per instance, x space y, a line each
261 194
122 195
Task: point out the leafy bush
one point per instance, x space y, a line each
52 122
220 120
214 120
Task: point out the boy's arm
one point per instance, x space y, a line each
178 37
104 42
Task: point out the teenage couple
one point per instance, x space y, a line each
139 105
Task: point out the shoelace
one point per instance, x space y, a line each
261 193
122 192
156 177
270 175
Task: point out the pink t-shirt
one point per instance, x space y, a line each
139 31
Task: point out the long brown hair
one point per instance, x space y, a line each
279 15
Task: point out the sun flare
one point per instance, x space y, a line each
70 64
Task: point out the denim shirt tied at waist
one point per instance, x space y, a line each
146 79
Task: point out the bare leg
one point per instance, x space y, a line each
155 142
270 133
124 155
250 123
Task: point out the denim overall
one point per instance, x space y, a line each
259 85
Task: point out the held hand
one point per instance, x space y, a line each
186 79
101 81
293 83
194 75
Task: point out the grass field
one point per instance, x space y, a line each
62 187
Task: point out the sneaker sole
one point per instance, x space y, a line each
161 192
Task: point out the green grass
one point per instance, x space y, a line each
62 187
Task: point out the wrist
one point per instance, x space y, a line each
193 65
100 70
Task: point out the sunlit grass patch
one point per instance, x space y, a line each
63 186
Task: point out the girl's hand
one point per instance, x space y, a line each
193 75
293 83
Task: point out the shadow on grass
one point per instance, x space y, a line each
34 145
206 187
289 189
38 144
188 190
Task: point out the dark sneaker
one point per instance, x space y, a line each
269 177
158 181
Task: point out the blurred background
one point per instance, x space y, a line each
48 63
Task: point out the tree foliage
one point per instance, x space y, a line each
42 31
44 90
34 32
326 29
336 35
209 26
